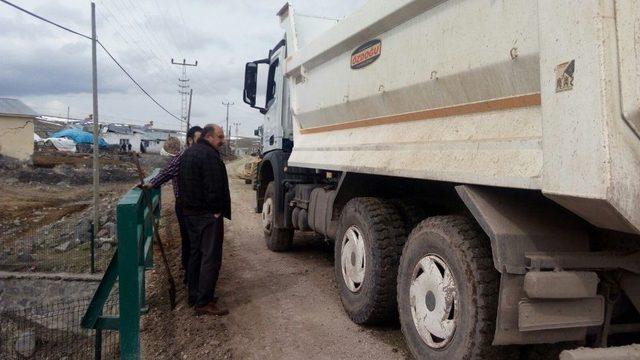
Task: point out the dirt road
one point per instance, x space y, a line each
283 305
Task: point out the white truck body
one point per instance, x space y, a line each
463 153
467 92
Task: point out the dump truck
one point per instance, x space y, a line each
475 163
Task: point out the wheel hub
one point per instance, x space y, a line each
430 300
267 216
434 301
353 258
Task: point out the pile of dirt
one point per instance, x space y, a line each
7 163
49 226
69 175
113 169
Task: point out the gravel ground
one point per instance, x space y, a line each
283 305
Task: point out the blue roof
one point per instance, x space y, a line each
79 136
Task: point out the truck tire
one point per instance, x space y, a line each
448 291
367 251
410 212
277 240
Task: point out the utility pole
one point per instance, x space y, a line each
96 140
189 113
236 124
183 86
68 117
227 104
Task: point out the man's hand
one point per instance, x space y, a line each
146 186
217 215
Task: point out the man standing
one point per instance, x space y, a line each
170 172
204 189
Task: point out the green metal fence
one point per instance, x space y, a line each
135 222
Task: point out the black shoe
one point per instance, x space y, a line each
192 302
211 309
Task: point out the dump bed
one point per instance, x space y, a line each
538 95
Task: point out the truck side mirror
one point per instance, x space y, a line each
256 132
251 82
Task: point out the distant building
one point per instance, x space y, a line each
244 145
121 135
153 139
16 129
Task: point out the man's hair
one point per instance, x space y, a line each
209 129
192 132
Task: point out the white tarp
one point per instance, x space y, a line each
62 144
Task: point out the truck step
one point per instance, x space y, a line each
560 284
561 314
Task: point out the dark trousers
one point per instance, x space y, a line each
206 236
184 235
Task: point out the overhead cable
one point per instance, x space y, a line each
135 82
45 20
103 48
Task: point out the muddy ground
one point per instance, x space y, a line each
32 196
45 212
283 305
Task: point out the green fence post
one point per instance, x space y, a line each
134 254
98 345
129 234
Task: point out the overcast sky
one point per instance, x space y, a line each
50 69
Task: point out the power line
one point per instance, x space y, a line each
128 14
184 25
168 28
134 45
103 48
145 22
45 20
135 82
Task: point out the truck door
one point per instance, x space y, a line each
274 121
277 122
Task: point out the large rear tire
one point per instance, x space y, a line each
367 251
411 212
448 290
277 240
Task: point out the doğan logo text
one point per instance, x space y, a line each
366 54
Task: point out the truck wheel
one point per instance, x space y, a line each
367 251
448 290
410 212
277 239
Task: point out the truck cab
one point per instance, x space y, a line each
277 133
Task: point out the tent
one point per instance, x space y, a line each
79 136
62 144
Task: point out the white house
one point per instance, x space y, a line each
119 134
16 129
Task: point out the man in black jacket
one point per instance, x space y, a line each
204 190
